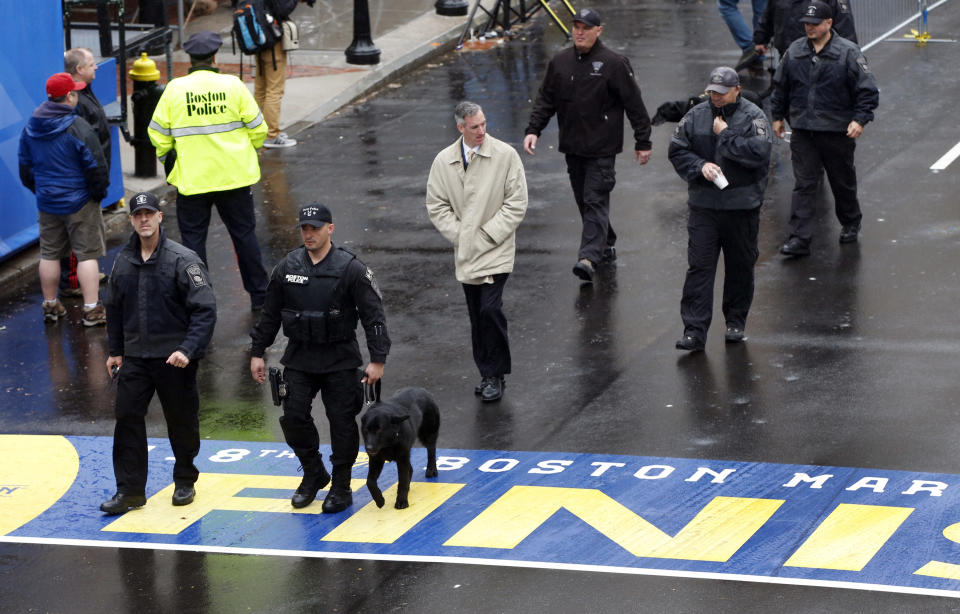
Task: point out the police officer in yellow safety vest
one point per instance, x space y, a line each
207 129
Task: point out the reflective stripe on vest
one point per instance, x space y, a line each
211 129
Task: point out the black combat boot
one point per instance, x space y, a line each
315 477
340 496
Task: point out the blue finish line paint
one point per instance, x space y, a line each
763 522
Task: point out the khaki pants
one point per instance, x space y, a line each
268 86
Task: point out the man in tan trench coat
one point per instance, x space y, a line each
476 197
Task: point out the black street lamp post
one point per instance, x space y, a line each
452 8
362 50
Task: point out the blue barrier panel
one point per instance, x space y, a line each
31 49
105 89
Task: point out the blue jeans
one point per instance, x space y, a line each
742 33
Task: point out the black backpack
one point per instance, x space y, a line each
254 27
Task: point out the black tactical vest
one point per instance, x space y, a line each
313 298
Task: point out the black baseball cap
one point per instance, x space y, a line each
315 214
203 44
144 200
723 79
816 12
587 16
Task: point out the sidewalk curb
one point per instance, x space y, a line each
381 74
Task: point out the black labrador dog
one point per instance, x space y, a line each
389 430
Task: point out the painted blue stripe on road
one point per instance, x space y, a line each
857 528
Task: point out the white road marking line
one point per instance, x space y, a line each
399 558
946 159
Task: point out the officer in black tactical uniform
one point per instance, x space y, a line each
316 293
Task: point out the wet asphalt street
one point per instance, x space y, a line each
851 358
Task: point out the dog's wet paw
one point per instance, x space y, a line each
379 500
401 505
432 473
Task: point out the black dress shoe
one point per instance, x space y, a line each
609 255
121 503
795 247
478 389
689 344
491 389
584 270
849 234
183 495
734 334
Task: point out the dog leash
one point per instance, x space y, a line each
371 392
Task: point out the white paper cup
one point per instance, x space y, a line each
720 181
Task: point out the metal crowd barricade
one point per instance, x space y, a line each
881 21
519 12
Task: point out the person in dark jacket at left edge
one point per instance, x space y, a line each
161 313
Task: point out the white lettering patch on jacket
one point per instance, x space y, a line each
195 273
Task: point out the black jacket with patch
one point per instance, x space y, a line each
742 152
824 91
159 306
590 92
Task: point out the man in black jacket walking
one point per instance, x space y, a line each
722 149
160 317
825 90
589 87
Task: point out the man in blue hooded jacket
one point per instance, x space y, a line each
62 162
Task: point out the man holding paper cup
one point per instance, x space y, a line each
721 148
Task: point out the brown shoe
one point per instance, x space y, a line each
51 313
95 316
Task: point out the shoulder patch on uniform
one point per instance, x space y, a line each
679 128
862 63
195 273
760 126
373 282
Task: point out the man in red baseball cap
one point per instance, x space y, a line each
61 84
62 162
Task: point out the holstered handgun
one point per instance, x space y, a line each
278 388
